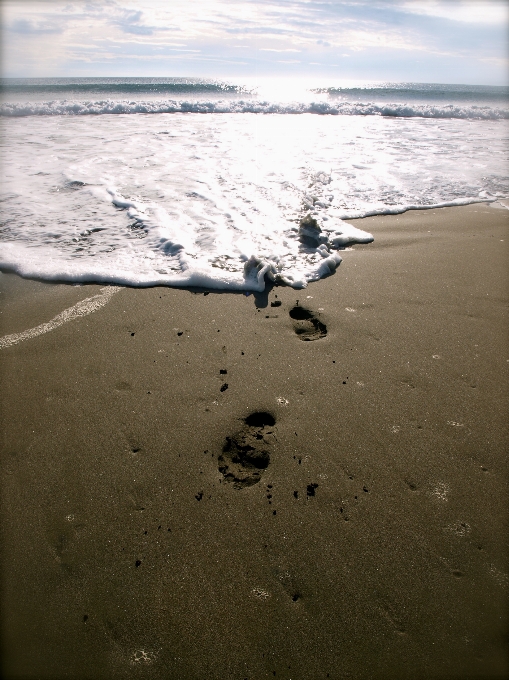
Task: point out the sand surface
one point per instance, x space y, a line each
362 535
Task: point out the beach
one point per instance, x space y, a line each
363 534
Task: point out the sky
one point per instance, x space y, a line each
434 41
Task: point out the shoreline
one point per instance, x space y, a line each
371 547
231 286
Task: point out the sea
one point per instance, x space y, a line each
230 184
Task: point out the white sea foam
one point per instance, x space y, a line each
224 201
109 106
82 308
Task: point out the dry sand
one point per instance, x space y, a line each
374 544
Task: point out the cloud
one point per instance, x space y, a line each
470 11
38 35
27 27
129 22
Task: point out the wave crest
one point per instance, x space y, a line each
397 110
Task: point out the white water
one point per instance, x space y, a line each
82 308
223 200
112 106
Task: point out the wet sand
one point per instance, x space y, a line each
154 526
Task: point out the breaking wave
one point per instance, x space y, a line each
397 110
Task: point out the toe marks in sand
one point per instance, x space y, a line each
246 454
306 325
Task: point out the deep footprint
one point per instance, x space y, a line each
246 453
306 325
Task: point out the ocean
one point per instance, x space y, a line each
230 184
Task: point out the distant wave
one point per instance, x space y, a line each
440 93
398 110
119 88
450 93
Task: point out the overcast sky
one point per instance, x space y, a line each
400 40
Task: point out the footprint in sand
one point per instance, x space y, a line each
306 325
246 453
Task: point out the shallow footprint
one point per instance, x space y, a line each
306 325
246 453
